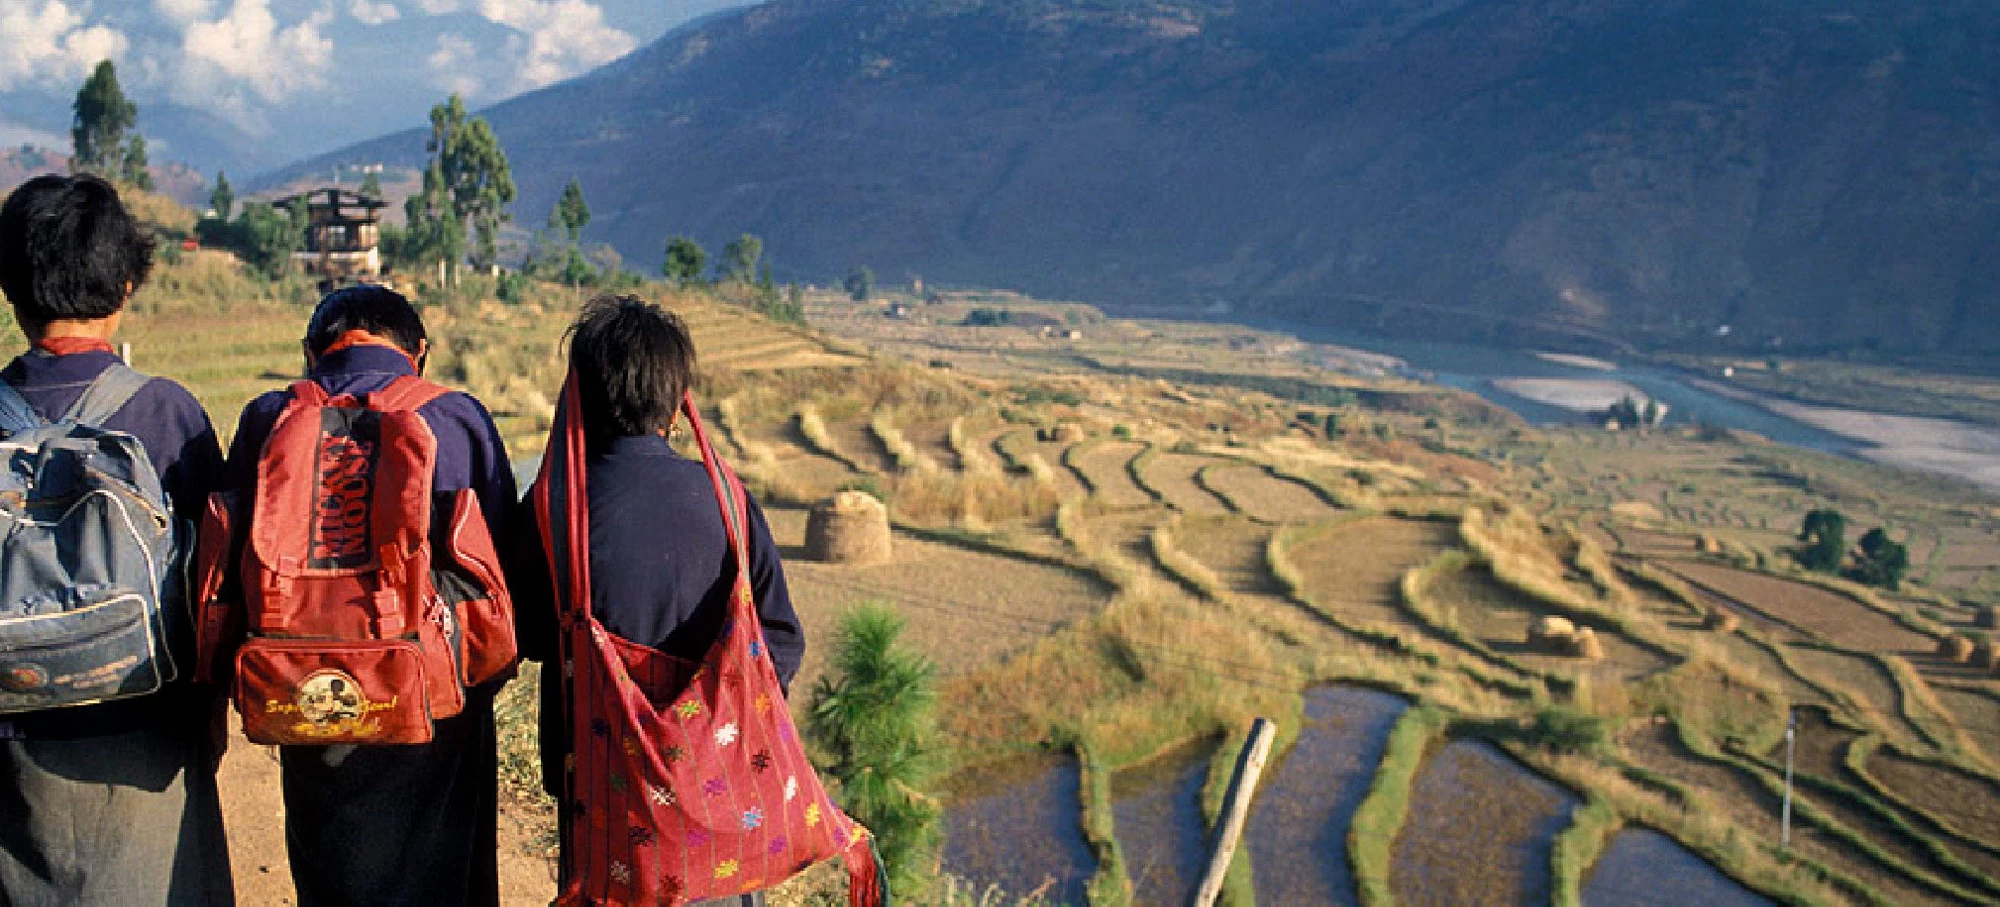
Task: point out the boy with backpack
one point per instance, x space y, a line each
374 625
107 762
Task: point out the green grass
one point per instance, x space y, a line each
1577 848
1371 837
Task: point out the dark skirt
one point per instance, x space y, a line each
396 825
130 818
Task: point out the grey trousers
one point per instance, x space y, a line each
127 819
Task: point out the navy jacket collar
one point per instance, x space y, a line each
358 360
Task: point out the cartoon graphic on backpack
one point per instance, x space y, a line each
368 604
90 567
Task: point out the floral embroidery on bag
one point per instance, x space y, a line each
726 734
761 762
641 836
716 787
791 788
661 796
752 818
618 782
726 868
763 704
812 816
600 727
757 649
673 754
777 846
689 708
621 873
697 838
631 747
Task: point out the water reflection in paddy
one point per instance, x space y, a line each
1479 830
1016 825
1157 809
1643 868
1298 833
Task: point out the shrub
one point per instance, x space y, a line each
875 715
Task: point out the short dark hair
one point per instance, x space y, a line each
633 360
69 249
365 307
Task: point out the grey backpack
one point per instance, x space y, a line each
89 555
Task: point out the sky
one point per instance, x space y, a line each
261 82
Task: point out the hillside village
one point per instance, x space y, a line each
1541 647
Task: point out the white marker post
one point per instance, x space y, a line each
1791 733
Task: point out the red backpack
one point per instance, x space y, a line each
687 780
369 604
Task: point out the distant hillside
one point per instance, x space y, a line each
1823 173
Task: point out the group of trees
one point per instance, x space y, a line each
467 186
104 131
1878 561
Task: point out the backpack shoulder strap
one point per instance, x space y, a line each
407 393
15 414
105 396
309 392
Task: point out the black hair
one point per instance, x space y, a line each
365 307
632 360
69 249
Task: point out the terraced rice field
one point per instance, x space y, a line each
965 608
1478 831
1173 475
1297 838
1234 548
1103 464
1015 826
1864 678
1643 868
1156 809
1263 497
1355 568
1968 804
1834 617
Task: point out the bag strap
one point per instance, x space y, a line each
113 388
727 489
16 415
407 393
309 392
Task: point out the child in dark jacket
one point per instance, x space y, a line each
113 803
659 558
384 825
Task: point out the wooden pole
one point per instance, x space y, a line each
1235 809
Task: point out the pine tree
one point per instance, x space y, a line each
572 213
467 181
135 167
740 257
223 198
876 715
371 186
97 134
860 284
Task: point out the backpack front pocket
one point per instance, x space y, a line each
316 692
77 646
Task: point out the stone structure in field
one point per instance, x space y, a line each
1721 621
853 528
1989 617
1587 646
1955 649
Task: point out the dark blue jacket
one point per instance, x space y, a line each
182 445
660 572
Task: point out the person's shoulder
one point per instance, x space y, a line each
165 395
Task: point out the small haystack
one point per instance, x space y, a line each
1989 617
1708 544
1986 655
1062 433
1955 649
1587 646
853 528
1551 635
1721 621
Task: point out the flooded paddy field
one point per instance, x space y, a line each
1643 868
1297 836
1016 825
1156 808
1479 830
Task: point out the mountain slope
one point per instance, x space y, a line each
1822 173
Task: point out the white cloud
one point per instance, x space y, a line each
438 7
560 38
374 13
451 65
247 56
183 11
48 42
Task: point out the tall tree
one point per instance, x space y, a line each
685 261
135 166
572 212
1825 536
875 715
223 198
97 133
860 283
371 186
740 257
467 181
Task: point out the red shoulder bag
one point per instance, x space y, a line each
687 780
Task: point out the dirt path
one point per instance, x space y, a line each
253 810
